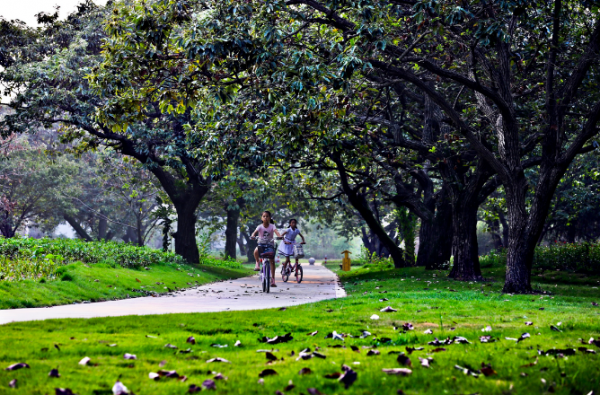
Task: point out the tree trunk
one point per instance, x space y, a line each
102 227
360 204
435 237
231 231
185 236
78 229
464 241
250 244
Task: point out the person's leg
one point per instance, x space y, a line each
272 272
256 267
287 262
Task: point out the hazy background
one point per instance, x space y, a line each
25 10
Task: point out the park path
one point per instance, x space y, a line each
244 293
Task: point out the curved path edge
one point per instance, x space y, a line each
244 293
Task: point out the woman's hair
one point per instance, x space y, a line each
293 219
270 216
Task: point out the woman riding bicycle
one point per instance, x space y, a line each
265 232
286 248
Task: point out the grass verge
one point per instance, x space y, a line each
79 282
548 361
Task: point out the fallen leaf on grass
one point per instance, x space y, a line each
193 388
191 340
467 371
374 317
283 309
63 391
404 360
407 326
388 309
13 383
218 360
487 370
528 323
373 352
267 372
487 339
558 352
398 371
54 373
334 375
119 389
162 363
129 356
84 361
383 300
348 377
154 376
365 334
270 356
209 384
313 391
594 304
312 333
290 386
138 280
552 327
17 366
439 349
319 355
218 345
410 350
355 349
428 332
587 350
425 361
169 345
170 374
237 343
277 339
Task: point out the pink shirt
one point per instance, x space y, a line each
265 235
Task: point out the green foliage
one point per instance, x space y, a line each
31 268
575 257
41 256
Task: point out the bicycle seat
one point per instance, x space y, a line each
268 254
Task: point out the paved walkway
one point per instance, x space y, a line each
242 294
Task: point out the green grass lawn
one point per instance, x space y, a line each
426 300
79 282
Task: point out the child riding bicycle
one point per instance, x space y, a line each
265 232
286 248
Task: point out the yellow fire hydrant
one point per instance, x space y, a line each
346 261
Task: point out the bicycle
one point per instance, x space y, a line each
286 270
265 253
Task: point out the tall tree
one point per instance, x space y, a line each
48 83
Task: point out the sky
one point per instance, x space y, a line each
25 10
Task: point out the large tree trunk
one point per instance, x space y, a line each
185 236
102 227
464 244
435 237
231 231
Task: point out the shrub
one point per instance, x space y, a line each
25 258
71 250
576 257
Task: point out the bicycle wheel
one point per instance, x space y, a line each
268 277
285 273
299 274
